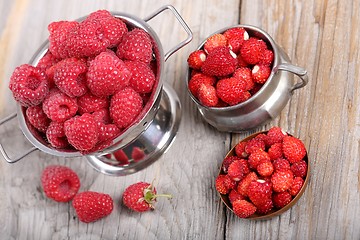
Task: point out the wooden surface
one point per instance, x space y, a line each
321 36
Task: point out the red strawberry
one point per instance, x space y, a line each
260 73
220 62
89 103
92 206
245 166
142 77
281 163
60 183
198 79
253 145
282 180
234 195
257 157
299 169
241 62
244 73
296 186
137 154
141 196
196 59
293 149
259 192
265 207
275 151
236 170
36 116
243 208
121 156
55 134
252 50
236 37
281 199
224 183
267 57
265 168
232 90
245 182
240 150
207 95
215 41
227 161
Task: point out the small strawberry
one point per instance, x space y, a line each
265 207
197 79
236 37
232 90
245 166
215 41
267 57
259 192
243 208
282 180
275 135
260 73
281 163
293 149
196 59
241 62
92 206
275 151
253 145
244 73
227 161
60 183
245 182
299 169
224 183
281 199
252 50
296 186
234 195
257 157
207 95
236 170
240 150
265 168
36 116
137 154
220 62
121 156
141 196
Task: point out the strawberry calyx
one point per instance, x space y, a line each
150 196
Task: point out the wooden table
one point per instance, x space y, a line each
321 36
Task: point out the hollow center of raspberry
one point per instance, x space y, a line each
64 186
33 83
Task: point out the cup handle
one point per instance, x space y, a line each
300 72
2 150
180 20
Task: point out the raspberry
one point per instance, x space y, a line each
70 76
36 116
282 180
299 168
234 195
252 50
296 186
244 73
224 184
293 149
137 154
102 116
196 59
207 95
257 157
59 35
227 161
240 150
243 208
259 192
281 163
275 151
125 106
59 107
265 168
107 132
236 37
198 79
29 85
281 199
107 74
236 170
82 132
275 135
55 134
267 57
89 103
135 45
142 77
220 62
253 145
121 156
47 63
260 73
92 206
245 182
60 183
216 40
232 90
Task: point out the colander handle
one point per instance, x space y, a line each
2 150
181 21
300 72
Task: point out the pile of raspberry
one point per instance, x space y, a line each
229 69
264 174
91 85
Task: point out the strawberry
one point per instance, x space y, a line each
252 50
275 151
241 62
234 195
215 41
281 199
227 161
207 95
142 77
92 206
236 37
254 145
244 73
293 149
60 183
281 163
243 208
257 157
245 182
260 73
236 170
121 156
232 90
196 59
259 192
137 154
220 62
265 207
296 186
141 196
224 183
196 80
267 57
299 168
240 150
265 168
282 180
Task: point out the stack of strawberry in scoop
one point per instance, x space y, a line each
91 85
229 68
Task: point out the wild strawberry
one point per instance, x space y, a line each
260 73
121 156
227 161
241 62
198 79
257 157
141 196
275 151
60 183
240 150
296 186
125 106
245 166
267 57
236 170
245 182
36 116
259 192
293 149
262 137
224 184
281 199
265 207
281 163
253 145
232 90
243 208
214 41
137 154
196 59
236 37
207 95
265 168
234 195
142 77
89 103
55 135
275 135
244 73
282 180
299 169
92 206
220 62
29 85
255 89
58 106
252 50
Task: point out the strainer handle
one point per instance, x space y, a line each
180 20
2 150
300 72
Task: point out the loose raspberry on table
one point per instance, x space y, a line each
220 62
293 149
214 41
89 103
232 90
299 169
55 134
245 182
260 73
37 118
252 50
236 37
281 199
197 79
142 77
282 180
207 95
58 106
244 73
196 59
243 208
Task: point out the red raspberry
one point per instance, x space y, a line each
232 90
92 206
135 45
267 57
293 149
125 106
59 35
296 186
227 161
107 74
245 182
275 151
70 76
244 73
265 168
198 79
207 95
299 168
282 180
55 134
275 135
82 132
243 208
60 183
196 59
142 77
240 150
121 156
253 145
102 116
47 63
259 192
257 157
137 154
36 116
214 41
281 163
107 132
236 170
234 195
220 62
29 85
260 73
265 207
281 199
89 103
224 183
59 107
252 50
236 37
